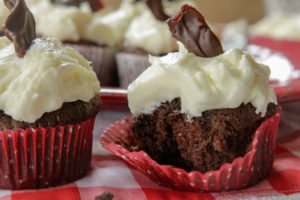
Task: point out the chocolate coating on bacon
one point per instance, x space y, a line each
190 28
157 9
94 4
19 26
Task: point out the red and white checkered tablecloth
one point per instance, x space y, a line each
109 173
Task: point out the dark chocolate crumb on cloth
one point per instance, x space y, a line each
200 143
105 196
19 26
94 4
69 113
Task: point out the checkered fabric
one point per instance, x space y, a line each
109 173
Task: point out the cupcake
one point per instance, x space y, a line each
147 34
93 33
48 103
280 26
207 118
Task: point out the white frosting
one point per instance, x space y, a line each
46 77
150 34
3 13
71 23
280 26
224 81
60 21
109 29
173 7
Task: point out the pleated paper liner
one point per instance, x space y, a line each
242 172
102 60
130 66
44 157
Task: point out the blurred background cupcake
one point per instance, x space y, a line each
108 30
146 34
284 26
282 21
92 32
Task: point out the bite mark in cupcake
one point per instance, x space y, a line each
199 109
207 119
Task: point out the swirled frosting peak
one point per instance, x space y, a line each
66 23
46 77
109 29
150 34
280 26
224 81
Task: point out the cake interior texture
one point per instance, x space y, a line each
198 143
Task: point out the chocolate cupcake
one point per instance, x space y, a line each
146 34
94 33
48 103
204 111
280 26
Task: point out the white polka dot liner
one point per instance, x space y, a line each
242 172
44 157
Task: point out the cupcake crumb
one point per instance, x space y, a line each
105 196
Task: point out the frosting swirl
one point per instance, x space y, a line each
224 81
280 26
66 23
102 27
150 34
46 77
109 29
172 7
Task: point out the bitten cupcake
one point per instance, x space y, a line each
48 102
94 33
207 117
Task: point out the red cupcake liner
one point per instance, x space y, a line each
242 172
44 157
130 66
103 62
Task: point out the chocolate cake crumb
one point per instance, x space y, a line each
105 196
69 113
200 143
